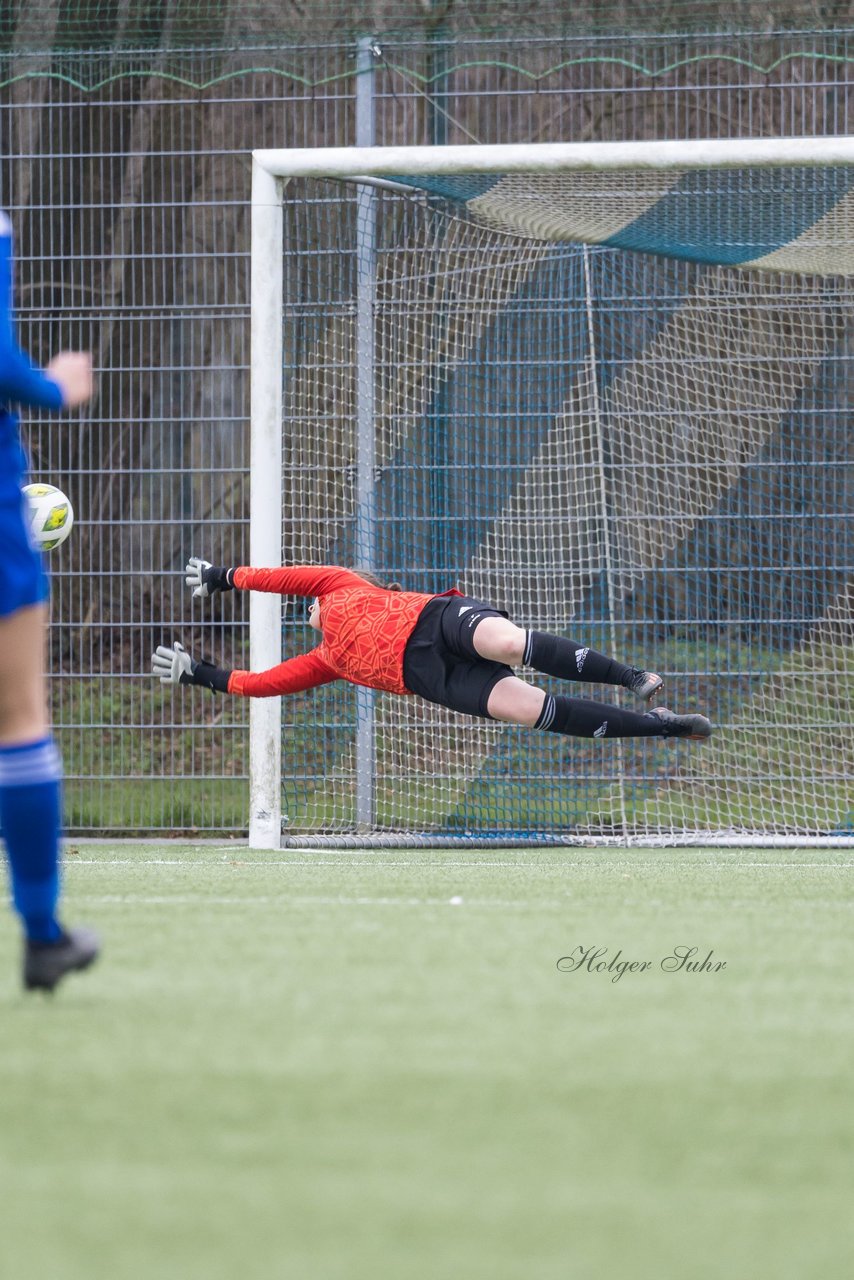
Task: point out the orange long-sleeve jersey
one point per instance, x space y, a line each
365 630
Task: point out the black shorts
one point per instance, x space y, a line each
440 662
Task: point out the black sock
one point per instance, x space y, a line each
569 660
580 718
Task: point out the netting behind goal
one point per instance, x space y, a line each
632 442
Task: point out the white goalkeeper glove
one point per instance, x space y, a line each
206 578
173 665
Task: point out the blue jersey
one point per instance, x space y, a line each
22 577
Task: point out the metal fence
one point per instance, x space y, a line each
126 175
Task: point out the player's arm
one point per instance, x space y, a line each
67 381
306 671
299 580
173 665
22 382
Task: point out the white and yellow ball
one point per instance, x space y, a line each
51 515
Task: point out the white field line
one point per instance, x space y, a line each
730 865
130 899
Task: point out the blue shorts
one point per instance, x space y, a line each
23 580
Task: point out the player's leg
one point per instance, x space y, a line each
30 801
515 701
500 640
29 774
442 664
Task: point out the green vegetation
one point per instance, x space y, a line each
139 757
321 1066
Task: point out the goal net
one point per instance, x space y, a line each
607 393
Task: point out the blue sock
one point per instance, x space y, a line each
30 819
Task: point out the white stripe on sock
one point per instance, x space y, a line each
548 712
29 766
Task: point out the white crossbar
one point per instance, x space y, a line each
545 157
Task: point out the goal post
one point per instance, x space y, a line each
265 485
641 443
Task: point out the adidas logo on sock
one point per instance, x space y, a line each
603 728
580 655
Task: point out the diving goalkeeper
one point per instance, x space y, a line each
450 649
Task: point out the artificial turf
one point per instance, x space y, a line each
317 1065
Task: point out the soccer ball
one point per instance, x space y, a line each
51 515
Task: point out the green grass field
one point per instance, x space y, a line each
316 1065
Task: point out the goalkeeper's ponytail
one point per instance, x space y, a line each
375 581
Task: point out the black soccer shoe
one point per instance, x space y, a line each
644 683
46 962
673 726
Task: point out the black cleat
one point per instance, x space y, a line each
673 726
46 962
644 683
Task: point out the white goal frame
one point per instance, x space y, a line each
271 170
